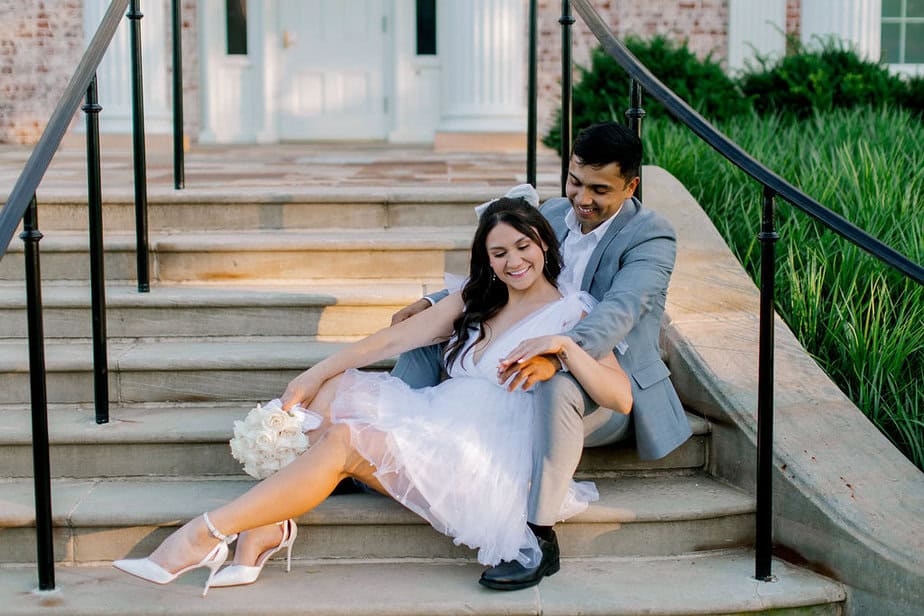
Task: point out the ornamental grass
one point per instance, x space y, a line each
860 320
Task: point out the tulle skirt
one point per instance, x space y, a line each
458 454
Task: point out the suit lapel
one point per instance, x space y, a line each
562 232
629 209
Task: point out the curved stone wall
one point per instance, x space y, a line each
847 503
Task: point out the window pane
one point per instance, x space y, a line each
237 27
914 44
426 27
915 8
891 8
890 43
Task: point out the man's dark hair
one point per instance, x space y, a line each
610 142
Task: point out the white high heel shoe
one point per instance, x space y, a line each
238 575
147 569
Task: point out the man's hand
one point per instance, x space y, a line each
408 311
301 390
528 372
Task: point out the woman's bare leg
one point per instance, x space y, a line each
255 541
297 488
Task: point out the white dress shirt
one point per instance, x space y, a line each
577 248
576 251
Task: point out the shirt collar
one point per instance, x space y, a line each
572 223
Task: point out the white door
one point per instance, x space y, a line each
331 73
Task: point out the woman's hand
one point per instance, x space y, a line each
301 390
543 345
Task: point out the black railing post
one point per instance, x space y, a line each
40 456
141 189
179 169
532 95
566 22
635 114
764 532
97 269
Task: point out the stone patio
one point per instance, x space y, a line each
281 166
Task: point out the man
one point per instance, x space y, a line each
623 255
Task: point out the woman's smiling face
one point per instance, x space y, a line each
515 258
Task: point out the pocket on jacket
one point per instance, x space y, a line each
651 373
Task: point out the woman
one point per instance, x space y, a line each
457 454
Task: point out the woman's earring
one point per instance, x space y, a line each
493 276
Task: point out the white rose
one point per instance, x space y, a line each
275 421
296 441
264 441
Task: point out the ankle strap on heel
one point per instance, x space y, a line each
215 532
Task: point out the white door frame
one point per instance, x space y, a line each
231 107
114 72
239 93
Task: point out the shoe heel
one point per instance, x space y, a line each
293 533
214 564
553 568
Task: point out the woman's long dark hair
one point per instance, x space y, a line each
483 294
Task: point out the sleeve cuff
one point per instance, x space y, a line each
564 366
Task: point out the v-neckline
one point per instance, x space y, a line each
476 362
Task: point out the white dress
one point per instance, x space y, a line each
459 454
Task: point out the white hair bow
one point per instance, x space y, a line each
521 191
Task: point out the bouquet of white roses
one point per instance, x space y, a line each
269 438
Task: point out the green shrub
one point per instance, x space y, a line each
806 81
912 98
858 318
602 91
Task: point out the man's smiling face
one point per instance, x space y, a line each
597 193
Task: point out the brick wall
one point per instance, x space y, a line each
39 50
703 23
793 18
190 42
42 42
40 46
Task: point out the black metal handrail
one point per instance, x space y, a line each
57 126
771 185
179 165
21 206
734 153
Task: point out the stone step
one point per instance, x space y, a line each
105 519
196 209
357 308
192 439
416 253
157 371
717 582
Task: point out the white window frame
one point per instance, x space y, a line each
903 20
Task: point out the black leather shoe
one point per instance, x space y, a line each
514 576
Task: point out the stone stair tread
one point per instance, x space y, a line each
709 583
149 423
355 293
139 423
418 238
166 502
284 353
473 194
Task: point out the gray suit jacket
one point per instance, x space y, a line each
628 274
